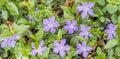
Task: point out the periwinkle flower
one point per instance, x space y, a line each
85 32
111 31
50 24
29 16
71 26
39 50
86 9
61 47
83 49
36 10
10 41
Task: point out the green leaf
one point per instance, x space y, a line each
111 43
101 2
89 0
74 40
31 2
98 10
111 8
45 54
100 54
39 34
117 51
20 29
114 18
4 35
12 8
5 14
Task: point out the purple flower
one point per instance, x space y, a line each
29 16
86 9
61 47
10 41
70 26
111 31
36 10
39 50
85 32
50 24
83 49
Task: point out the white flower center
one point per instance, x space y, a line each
83 49
71 26
86 8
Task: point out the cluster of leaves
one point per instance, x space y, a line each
14 20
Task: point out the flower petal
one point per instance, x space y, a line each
91 4
56 44
45 21
79 46
70 31
46 28
41 43
80 8
63 41
85 54
68 22
52 30
89 48
33 52
55 50
66 47
52 19
90 11
84 14
79 51
84 44
62 53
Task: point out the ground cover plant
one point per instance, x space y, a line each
59 29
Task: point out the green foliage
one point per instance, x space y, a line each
14 20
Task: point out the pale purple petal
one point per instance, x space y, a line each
62 53
41 43
86 37
63 41
110 36
70 31
68 22
80 8
76 28
56 24
88 48
45 21
66 27
43 48
79 51
52 19
79 45
91 4
74 22
33 52
52 30
84 3
83 44
85 54
90 11
55 50
46 28
40 52
16 36
66 47
56 44
32 44
84 14
4 43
